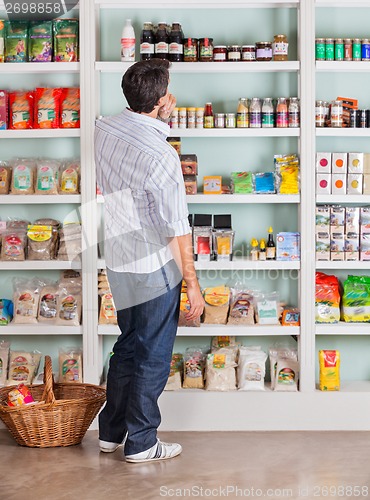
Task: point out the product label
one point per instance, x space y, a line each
70 370
356 51
219 360
190 51
45 179
267 119
147 48
294 119
68 310
249 56
255 119
219 56
13 246
319 116
242 120
161 48
234 56
39 233
270 252
366 51
339 52
128 49
282 119
329 52
206 51
208 122
265 53
22 177
320 51
175 48
280 49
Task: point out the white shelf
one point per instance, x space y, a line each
237 132
195 4
342 132
39 67
36 265
239 263
40 329
34 199
241 198
207 68
328 264
40 133
343 328
345 198
342 3
214 330
343 66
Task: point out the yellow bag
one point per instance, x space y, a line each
329 370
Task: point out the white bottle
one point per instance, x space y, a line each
128 42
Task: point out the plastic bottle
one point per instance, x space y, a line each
161 41
271 249
147 42
176 46
208 116
262 253
254 249
282 113
268 116
128 42
242 113
294 119
255 113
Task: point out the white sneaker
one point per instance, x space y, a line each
160 451
108 447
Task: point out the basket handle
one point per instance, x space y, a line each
48 394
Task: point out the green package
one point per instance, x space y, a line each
356 299
2 36
40 41
16 41
242 182
65 40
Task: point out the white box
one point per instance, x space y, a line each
338 183
323 163
352 219
337 231
322 255
365 229
322 215
337 243
364 215
352 242
336 256
354 184
365 247
339 163
323 183
337 216
355 163
352 256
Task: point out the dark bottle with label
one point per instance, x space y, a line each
271 249
176 46
147 42
161 41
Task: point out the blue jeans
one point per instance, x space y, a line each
140 365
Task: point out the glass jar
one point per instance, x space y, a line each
327 110
365 49
282 120
220 53
190 49
199 118
182 117
329 49
356 49
264 51
293 113
320 114
255 113
191 117
242 113
336 115
320 49
219 120
208 116
234 53
268 114
174 120
348 49
230 120
206 49
280 48
248 53
339 49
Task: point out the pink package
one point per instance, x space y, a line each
3 109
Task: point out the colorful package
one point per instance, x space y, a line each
241 308
47 107
107 310
48 304
21 109
291 317
327 299
251 369
287 175
26 301
41 242
65 40
70 108
20 396
69 178
242 182
6 312
287 246
69 305
276 354
2 39
5 176
3 109
23 173
329 370
22 367
13 245
4 361
267 307
176 369
356 299
216 305
70 365
264 183
194 359
287 373
16 41
47 177
212 184
40 41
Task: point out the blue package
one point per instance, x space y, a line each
6 311
264 183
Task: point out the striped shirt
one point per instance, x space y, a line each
140 177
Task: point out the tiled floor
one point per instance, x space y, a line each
274 465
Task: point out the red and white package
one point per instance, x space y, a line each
47 108
21 106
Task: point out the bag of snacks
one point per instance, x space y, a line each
70 242
241 308
70 108
291 317
47 312
276 354
70 365
69 178
220 371
4 360
47 107
40 41
356 299
216 305
327 298
242 183
26 300
287 174
6 312
21 110
20 396
329 370
264 183
176 369
267 308
40 243
5 175
194 360
287 373
251 369
13 245
23 173
69 305
47 177
18 224
16 41
65 40
23 367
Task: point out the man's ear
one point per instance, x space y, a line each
161 101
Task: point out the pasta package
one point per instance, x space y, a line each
251 369
65 40
4 360
69 178
356 299
23 174
20 396
47 311
329 370
70 108
69 305
5 175
216 305
13 244
242 183
241 308
70 365
176 368
21 110
70 242
220 371
16 41
47 177
194 363
40 41
26 301
47 107
327 298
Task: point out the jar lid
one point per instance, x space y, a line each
248 46
203 39
263 43
186 39
329 40
200 109
230 115
348 40
320 39
339 40
365 40
219 115
356 40
234 47
283 36
219 47
182 109
191 109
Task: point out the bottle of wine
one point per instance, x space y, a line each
271 249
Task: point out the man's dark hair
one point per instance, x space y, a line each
144 83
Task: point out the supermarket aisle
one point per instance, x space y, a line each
265 461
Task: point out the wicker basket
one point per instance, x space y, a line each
62 418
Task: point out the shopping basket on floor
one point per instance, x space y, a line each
61 419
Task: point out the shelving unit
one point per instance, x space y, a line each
36 68
40 133
34 199
235 132
342 328
238 199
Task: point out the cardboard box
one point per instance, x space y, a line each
365 247
175 143
323 183
190 182
189 164
365 229
337 216
288 246
352 242
336 256
366 163
322 215
351 256
322 255
355 163
354 184
212 184
352 219
337 231
339 163
323 163
337 243
364 215
338 183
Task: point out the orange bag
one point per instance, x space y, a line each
70 108
327 298
21 110
47 108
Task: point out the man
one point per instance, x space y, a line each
148 250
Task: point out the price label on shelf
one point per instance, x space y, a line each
37 10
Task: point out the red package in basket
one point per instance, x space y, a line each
70 108
20 396
47 108
21 110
